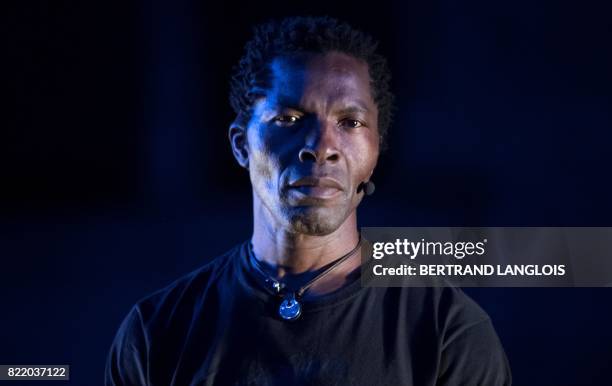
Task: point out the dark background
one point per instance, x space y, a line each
117 178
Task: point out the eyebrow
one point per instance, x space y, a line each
351 106
352 109
289 103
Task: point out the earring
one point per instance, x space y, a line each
368 188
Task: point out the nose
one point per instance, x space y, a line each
320 145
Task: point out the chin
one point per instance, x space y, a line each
315 221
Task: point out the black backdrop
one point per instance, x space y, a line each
117 177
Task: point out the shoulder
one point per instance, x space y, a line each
470 347
453 313
456 311
445 308
188 289
147 323
468 350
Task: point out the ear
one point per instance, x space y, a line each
238 141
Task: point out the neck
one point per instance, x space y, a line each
294 258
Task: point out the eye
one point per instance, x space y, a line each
351 123
286 120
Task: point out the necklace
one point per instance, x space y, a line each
290 307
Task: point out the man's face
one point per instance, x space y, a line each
312 139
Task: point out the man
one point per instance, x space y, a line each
287 307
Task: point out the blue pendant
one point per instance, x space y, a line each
290 308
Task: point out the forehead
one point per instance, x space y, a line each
315 79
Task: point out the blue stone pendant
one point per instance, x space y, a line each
290 308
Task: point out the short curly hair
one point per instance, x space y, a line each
301 34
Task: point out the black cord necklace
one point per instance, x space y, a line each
290 307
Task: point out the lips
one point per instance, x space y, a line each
316 187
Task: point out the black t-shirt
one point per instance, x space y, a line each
218 326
